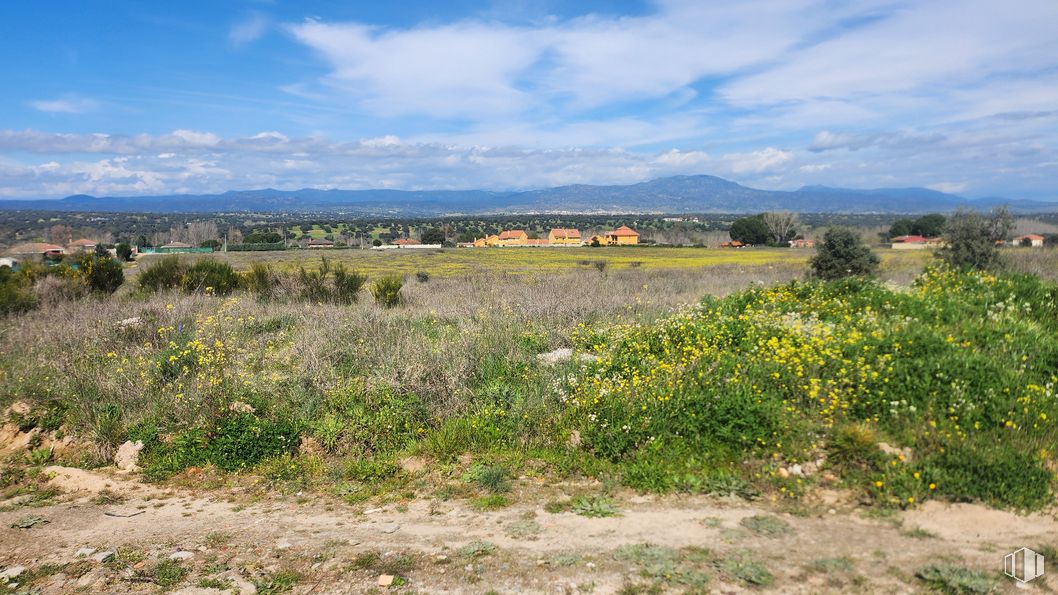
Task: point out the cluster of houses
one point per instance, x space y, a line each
557 237
913 242
37 251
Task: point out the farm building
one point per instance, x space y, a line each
81 245
564 237
910 243
39 250
406 242
802 243
622 236
513 237
1029 240
318 243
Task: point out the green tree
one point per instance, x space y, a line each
124 252
433 235
930 226
970 238
750 230
841 254
901 227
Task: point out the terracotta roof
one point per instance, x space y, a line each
623 231
34 248
513 234
910 240
1029 236
569 234
82 242
320 242
405 242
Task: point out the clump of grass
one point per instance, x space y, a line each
663 564
168 573
744 567
281 581
491 502
766 525
832 565
477 549
523 529
956 580
493 478
594 507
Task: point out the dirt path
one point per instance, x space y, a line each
317 545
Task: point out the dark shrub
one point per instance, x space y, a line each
244 440
124 252
347 285
260 280
102 273
422 276
163 274
750 230
841 254
210 276
15 298
970 238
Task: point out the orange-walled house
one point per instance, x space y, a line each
622 236
564 237
513 237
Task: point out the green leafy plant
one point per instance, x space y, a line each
387 291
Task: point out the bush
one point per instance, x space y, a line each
387 291
330 283
124 252
16 298
56 289
166 273
101 273
210 276
422 276
260 280
970 239
841 254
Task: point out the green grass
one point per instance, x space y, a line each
956 580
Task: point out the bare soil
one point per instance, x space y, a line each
236 538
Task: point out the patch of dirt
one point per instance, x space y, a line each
450 547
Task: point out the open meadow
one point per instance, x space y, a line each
530 420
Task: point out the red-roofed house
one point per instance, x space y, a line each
564 237
622 236
513 237
37 249
1030 240
81 245
909 243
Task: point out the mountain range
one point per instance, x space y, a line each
676 194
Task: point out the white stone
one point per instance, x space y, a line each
181 555
12 572
385 580
85 552
103 556
128 455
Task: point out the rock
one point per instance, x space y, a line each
134 321
103 556
810 469
563 354
412 464
796 469
390 528
441 559
240 407
181 555
574 439
385 580
128 455
283 545
894 451
84 552
374 510
783 472
12 572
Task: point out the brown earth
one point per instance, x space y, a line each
245 536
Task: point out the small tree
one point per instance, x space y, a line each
901 227
782 225
970 238
124 252
210 276
930 226
750 230
433 236
841 254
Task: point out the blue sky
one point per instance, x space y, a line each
119 97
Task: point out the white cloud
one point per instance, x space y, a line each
949 187
248 30
72 105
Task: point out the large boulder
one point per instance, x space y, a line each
128 455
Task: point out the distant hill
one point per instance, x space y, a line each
676 194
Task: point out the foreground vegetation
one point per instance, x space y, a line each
946 389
